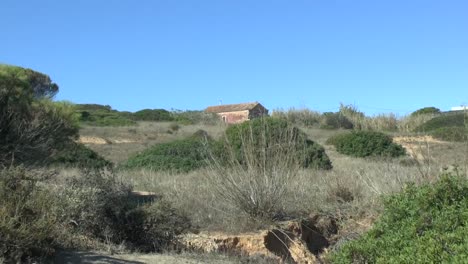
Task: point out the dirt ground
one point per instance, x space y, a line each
85 257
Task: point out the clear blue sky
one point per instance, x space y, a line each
382 56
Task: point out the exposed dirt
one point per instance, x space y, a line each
295 241
414 145
103 141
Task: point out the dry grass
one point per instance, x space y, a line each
354 186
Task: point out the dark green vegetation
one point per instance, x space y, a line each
426 110
78 155
365 144
178 156
104 115
265 136
426 224
34 130
99 115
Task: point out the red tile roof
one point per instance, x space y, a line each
231 107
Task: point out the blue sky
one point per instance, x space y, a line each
382 56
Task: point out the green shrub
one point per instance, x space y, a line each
179 156
153 115
31 125
457 134
366 143
335 121
426 110
426 224
265 136
442 121
78 155
26 224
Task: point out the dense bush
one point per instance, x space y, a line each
153 227
26 223
426 110
153 115
335 121
457 134
366 143
101 207
445 120
179 156
265 136
426 224
80 156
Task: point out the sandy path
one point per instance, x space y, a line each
85 257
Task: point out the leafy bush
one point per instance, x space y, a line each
336 121
26 224
153 115
195 117
459 134
78 155
426 110
265 136
445 120
179 156
421 224
366 143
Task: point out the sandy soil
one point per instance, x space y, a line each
72 257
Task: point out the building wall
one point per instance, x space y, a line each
258 111
235 117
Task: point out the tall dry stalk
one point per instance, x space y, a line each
255 179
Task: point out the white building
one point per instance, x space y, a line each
459 108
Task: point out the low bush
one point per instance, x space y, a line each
178 156
105 118
426 110
99 206
443 121
457 134
78 155
26 223
153 115
425 224
365 144
265 136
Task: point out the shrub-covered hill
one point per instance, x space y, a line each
451 126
